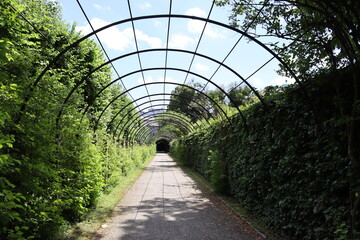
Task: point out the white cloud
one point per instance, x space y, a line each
180 41
144 5
97 6
196 12
119 40
168 79
154 42
197 26
201 67
147 80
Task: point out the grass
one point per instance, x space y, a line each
233 204
106 204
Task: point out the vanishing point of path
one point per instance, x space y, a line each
165 203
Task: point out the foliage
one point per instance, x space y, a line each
288 166
53 166
313 37
241 96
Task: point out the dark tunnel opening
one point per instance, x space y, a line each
162 145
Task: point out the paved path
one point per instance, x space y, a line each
165 203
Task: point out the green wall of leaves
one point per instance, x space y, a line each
52 169
288 165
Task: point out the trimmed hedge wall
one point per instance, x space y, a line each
287 166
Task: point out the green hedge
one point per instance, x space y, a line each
288 166
53 168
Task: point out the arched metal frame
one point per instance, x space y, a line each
189 123
132 20
137 116
151 95
135 131
164 68
141 133
147 136
170 83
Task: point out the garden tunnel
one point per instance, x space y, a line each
89 105
131 122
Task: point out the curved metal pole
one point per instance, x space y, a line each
163 136
142 134
170 135
74 44
133 129
153 83
160 94
133 126
153 95
139 134
170 50
146 127
174 69
117 126
137 116
156 100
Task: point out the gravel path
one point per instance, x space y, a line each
165 203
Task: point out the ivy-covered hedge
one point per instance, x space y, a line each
288 165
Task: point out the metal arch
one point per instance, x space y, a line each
135 132
169 134
134 108
47 68
152 69
164 105
141 133
158 94
156 100
139 116
171 50
184 120
171 83
165 68
162 136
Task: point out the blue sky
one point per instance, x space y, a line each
184 34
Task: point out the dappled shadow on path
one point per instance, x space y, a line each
165 203
160 218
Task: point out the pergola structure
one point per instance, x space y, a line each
141 130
